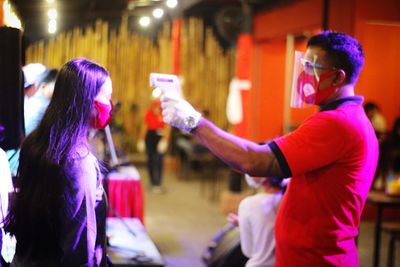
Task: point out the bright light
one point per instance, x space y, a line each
172 3
52 13
52 26
10 17
144 21
156 92
50 1
158 13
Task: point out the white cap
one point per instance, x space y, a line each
32 72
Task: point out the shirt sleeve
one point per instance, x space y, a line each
318 142
79 230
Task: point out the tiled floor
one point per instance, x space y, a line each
184 219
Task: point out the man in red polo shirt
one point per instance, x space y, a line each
153 139
331 157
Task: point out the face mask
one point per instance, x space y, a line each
103 116
251 182
307 87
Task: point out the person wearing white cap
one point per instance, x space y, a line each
35 106
32 72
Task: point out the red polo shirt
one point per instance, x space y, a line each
332 158
154 121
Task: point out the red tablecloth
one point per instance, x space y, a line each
125 195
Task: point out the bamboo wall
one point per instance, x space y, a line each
129 57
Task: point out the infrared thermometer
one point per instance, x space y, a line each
168 83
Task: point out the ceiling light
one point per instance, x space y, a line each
52 13
144 21
172 3
158 13
52 26
50 1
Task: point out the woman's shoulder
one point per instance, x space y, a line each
81 153
84 161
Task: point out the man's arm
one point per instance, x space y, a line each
240 154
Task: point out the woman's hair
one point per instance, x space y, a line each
46 169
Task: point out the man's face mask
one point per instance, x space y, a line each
103 115
306 82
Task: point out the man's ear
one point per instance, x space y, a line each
340 77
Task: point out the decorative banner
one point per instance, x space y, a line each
234 106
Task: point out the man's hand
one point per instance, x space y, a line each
162 146
141 146
233 219
179 113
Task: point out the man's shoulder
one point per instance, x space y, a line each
346 116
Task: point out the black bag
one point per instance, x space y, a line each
224 249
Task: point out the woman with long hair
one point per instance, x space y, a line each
58 217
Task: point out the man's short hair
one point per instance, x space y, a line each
342 51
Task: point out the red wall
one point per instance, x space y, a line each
267 93
295 18
377 26
380 80
1 13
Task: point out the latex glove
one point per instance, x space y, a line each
177 111
162 146
141 146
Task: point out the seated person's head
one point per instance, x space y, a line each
266 182
32 72
46 83
371 109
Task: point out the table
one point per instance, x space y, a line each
125 193
381 201
130 245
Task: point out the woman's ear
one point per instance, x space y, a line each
340 77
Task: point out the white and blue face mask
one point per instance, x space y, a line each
253 183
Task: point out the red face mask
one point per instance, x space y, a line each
103 116
307 87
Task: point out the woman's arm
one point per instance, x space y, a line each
79 229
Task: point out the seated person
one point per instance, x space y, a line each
256 221
36 105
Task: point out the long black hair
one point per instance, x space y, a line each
46 167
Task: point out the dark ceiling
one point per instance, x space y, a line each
71 13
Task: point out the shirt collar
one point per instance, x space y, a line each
355 100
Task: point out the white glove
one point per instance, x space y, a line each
141 146
162 146
179 113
